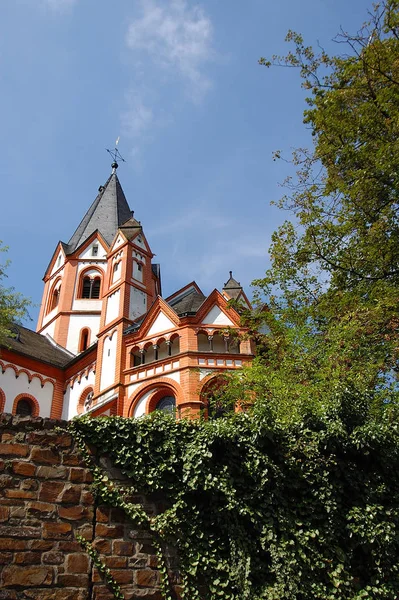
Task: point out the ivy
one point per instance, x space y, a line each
102 568
260 510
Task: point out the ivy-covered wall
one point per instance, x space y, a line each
46 503
244 507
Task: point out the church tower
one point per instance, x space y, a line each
93 281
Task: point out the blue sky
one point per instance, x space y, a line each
198 121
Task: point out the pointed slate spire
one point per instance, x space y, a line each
232 287
107 213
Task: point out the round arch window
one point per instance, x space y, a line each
167 404
24 408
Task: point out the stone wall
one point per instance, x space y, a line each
45 499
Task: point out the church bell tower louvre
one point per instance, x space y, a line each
106 341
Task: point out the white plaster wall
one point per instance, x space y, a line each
137 274
116 271
99 266
175 376
139 411
139 241
112 307
58 262
13 386
88 252
76 324
49 329
139 256
72 395
138 303
161 323
108 361
118 242
85 304
203 373
49 315
217 317
132 387
53 279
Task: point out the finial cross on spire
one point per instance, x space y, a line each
116 155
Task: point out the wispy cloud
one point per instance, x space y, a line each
175 36
190 220
169 42
137 116
60 5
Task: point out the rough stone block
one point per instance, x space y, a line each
4 513
115 562
75 513
147 578
42 545
71 494
5 558
50 491
102 546
71 546
50 438
109 530
23 468
73 580
56 531
56 472
77 563
15 576
46 456
22 494
14 450
11 544
27 558
53 558
41 509
19 532
122 548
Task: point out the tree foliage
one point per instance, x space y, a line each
13 306
332 289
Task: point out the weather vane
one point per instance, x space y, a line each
116 155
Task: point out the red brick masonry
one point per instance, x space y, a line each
45 498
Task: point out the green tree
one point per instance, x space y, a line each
13 306
333 287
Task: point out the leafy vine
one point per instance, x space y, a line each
258 510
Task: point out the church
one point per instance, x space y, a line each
107 342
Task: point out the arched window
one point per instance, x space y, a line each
54 297
166 404
116 271
204 342
84 340
88 401
85 400
24 408
174 346
136 358
218 343
137 270
91 287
